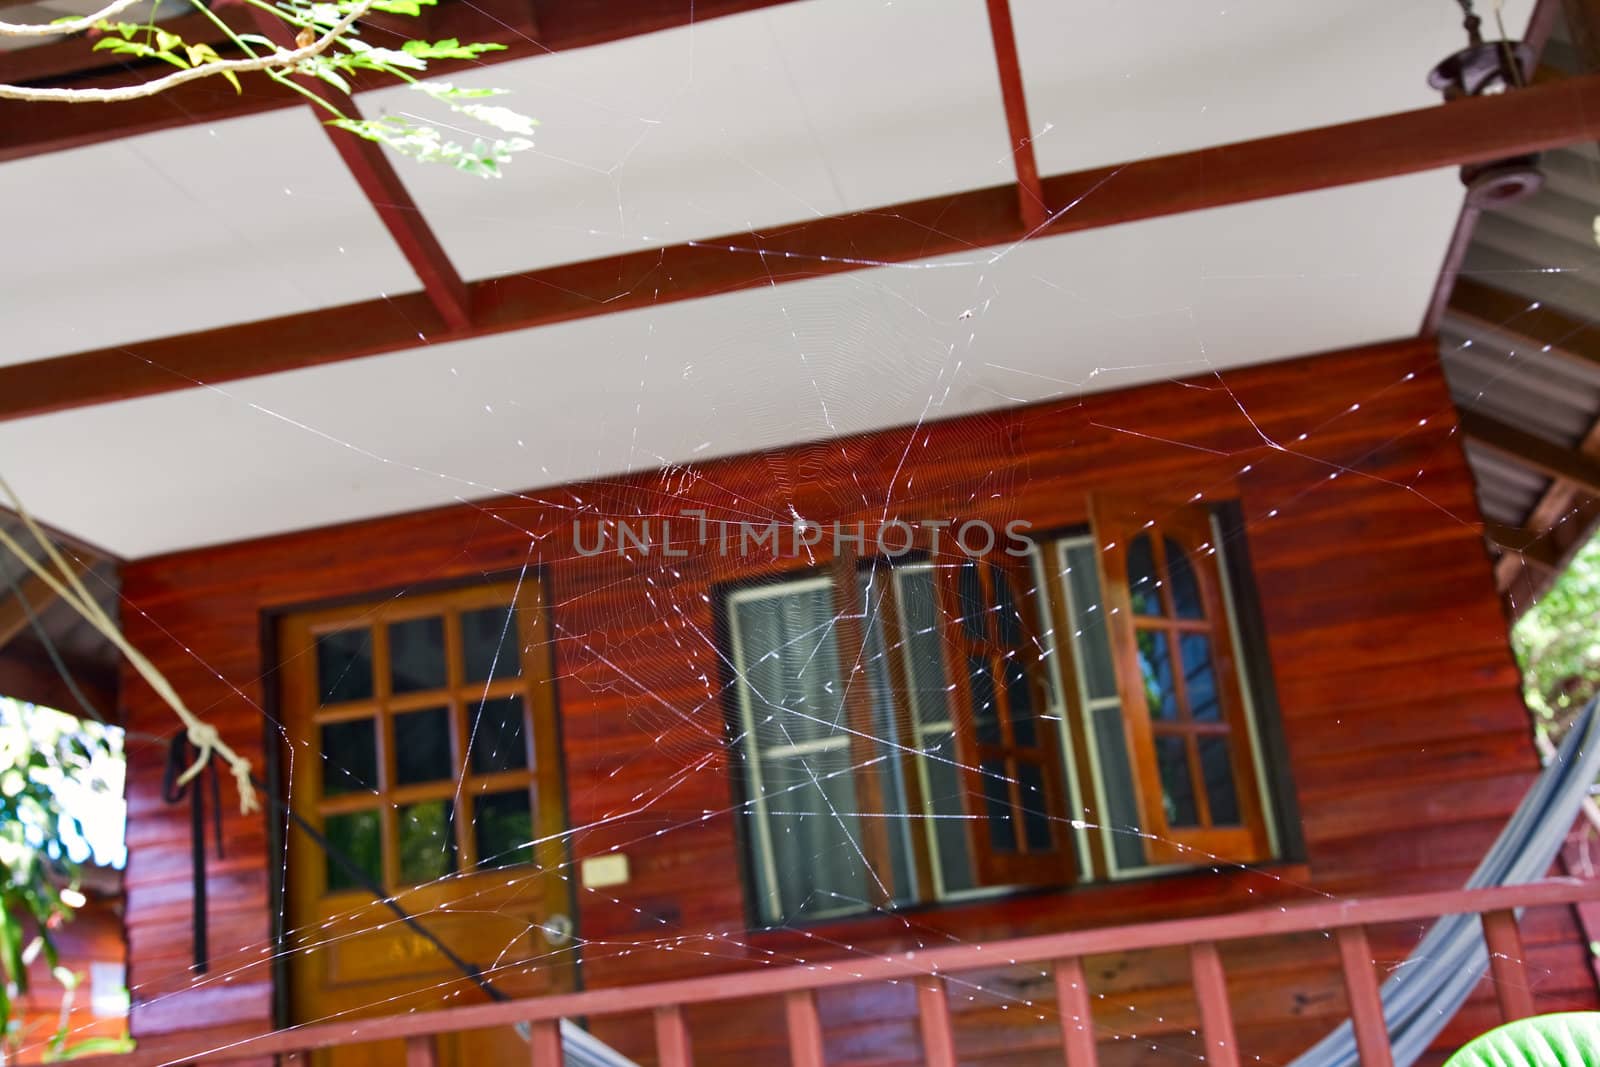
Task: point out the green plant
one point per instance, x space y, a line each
1562 1040
44 755
1557 642
298 43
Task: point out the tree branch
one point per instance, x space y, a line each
62 29
276 61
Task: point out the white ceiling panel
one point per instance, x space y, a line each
733 124
1095 310
184 230
1110 81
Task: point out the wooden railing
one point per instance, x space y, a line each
1347 920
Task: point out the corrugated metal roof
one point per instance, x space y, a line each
1543 250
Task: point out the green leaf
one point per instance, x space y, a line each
449 48
501 118
1563 1040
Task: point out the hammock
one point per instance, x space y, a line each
1422 995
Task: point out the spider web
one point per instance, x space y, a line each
681 683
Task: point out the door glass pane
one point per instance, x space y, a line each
1155 664
1200 681
1221 792
1116 776
997 805
416 655
815 836
1177 790
349 757
1005 609
427 841
985 716
925 652
422 747
972 601
1186 600
1019 694
497 736
502 826
344 666
353 836
1035 807
1089 625
489 644
1144 588
947 798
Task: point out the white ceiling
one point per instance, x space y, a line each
812 108
1093 310
1109 81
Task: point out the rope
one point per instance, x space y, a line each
66 585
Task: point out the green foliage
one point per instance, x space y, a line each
1564 1040
1557 642
347 57
41 752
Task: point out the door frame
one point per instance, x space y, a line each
270 620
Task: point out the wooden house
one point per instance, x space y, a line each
880 486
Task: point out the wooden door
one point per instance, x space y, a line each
422 744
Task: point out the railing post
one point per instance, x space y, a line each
672 1037
1077 1021
805 1028
421 1051
544 1043
1366 1003
1507 964
933 1009
1211 994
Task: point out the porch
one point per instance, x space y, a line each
1365 933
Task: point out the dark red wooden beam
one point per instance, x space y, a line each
1030 192
1533 119
372 166
28 129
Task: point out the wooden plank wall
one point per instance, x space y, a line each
1407 736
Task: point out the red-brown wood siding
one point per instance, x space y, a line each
1399 698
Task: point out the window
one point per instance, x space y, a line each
925 767
1163 705
928 729
424 717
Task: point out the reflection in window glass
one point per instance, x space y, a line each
997 802
349 757
1005 607
947 799
1199 680
918 614
502 826
344 666
1186 602
791 666
498 736
1155 665
416 655
886 734
353 837
489 644
985 716
1177 788
1089 625
1019 695
427 841
1144 586
973 606
1221 793
1035 807
422 747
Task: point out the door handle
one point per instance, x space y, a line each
557 930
